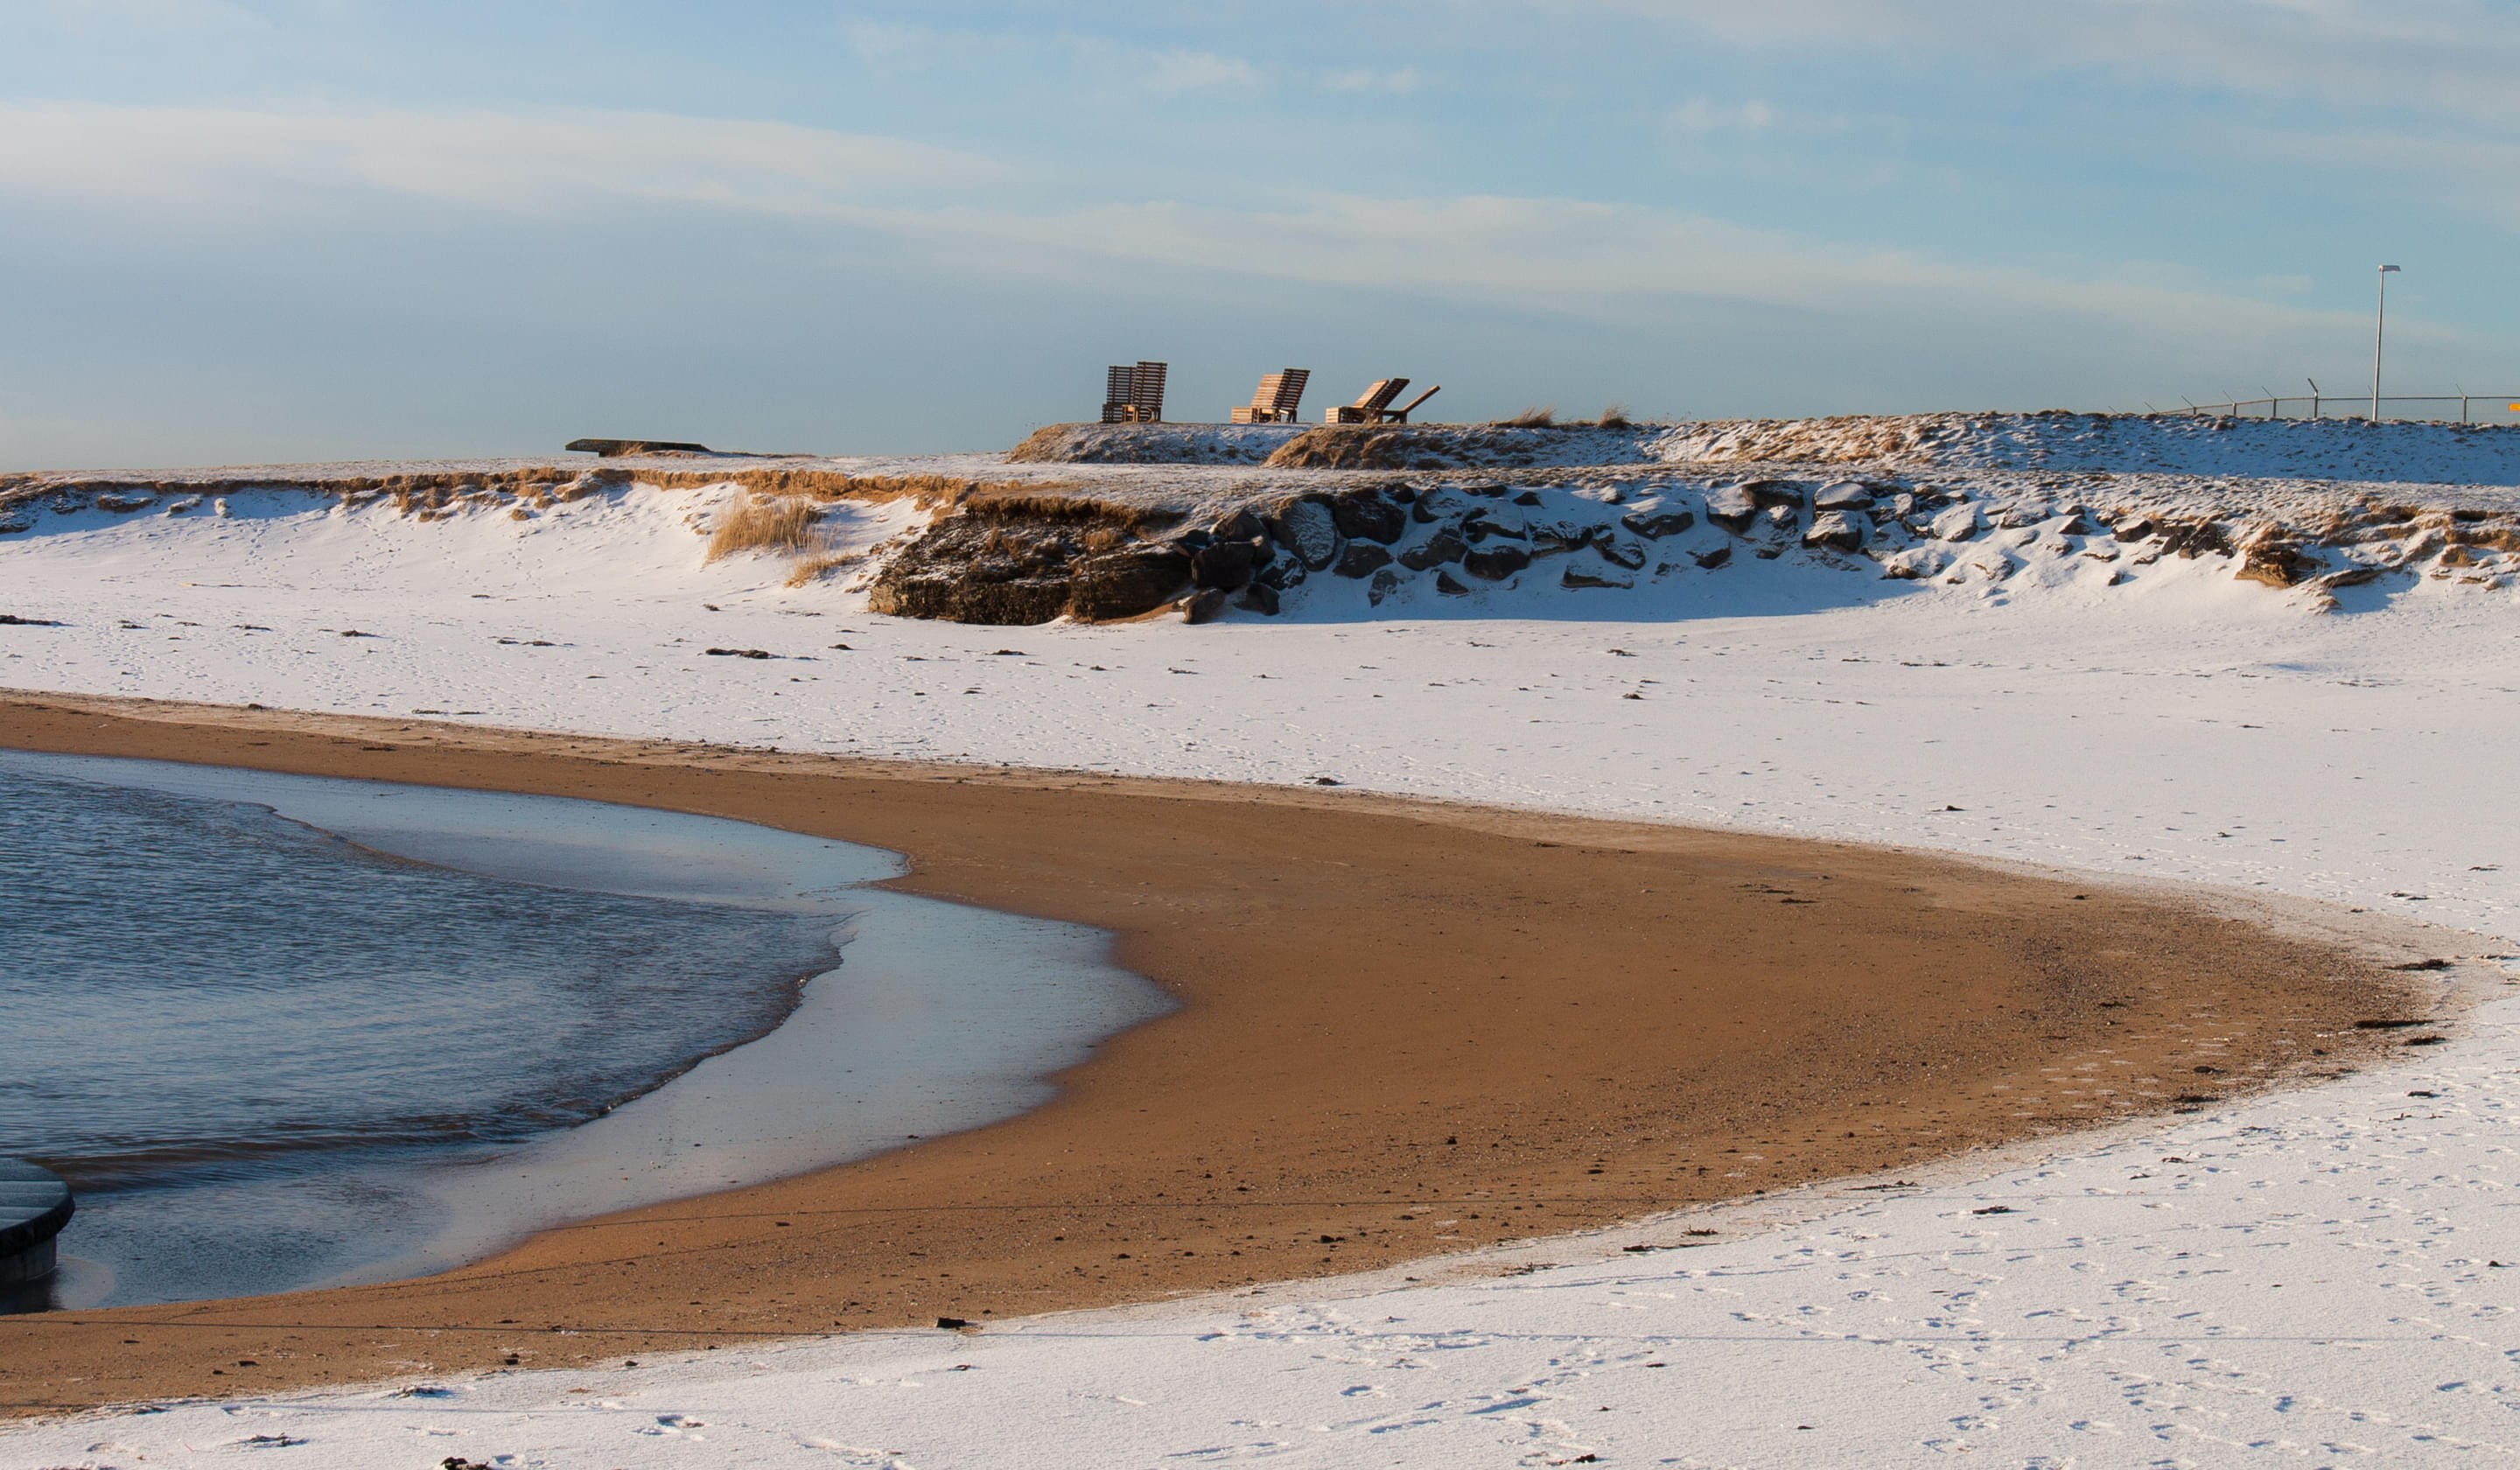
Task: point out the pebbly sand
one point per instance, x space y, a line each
1408 1029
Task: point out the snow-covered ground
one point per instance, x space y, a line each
2325 1277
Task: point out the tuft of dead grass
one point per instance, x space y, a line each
757 524
815 568
1532 418
1615 417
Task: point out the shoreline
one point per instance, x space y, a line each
1339 1057
919 1018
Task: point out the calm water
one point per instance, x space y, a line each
364 1034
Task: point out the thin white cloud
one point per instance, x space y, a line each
1398 82
2454 57
1173 73
1610 260
124 18
514 162
1704 115
1579 257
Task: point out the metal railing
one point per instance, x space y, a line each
2498 407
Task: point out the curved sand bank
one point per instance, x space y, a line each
1409 1028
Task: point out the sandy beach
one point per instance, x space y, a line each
1409 1028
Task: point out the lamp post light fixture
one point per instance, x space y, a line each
2379 329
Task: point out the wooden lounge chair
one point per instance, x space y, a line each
1134 394
1276 399
1374 405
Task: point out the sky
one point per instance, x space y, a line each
243 231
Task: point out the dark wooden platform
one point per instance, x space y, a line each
34 1205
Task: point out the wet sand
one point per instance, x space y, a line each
1408 1028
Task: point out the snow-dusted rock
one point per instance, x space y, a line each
1655 520
1916 563
1446 545
1560 532
1443 503
1362 558
1621 551
1595 574
1839 530
1367 515
1496 561
1731 507
1957 522
1844 495
1307 529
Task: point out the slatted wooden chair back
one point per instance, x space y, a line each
1278 398
1134 394
1378 397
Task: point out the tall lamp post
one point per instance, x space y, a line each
2379 329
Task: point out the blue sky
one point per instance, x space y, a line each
259 230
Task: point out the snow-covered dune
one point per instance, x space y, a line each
2486 453
2317 1278
2194 444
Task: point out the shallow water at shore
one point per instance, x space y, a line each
285 1031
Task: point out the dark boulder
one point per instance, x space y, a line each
1204 605
1731 507
956 598
1446 545
1362 558
1561 533
1442 503
1494 521
1259 597
1367 515
1282 573
1708 561
1385 582
1627 554
1450 585
1495 563
1241 525
1128 582
1767 492
1655 524
1839 530
1577 574
1226 564
1307 531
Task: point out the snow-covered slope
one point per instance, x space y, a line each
2314 1279
2333 449
2186 444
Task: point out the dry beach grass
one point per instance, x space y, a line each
756 524
1407 1028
